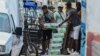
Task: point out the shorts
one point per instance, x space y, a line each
75 32
47 34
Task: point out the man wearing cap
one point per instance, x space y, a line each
59 16
51 8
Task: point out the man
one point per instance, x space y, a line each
47 17
51 8
59 15
78 6
75 21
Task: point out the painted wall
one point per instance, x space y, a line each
93 23
83 29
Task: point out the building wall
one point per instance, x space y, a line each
93 21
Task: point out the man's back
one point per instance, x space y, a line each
75 20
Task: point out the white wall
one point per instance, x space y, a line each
13 7
3 5
93 15
79 0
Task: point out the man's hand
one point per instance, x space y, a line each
69 21
43 26
41 23
53 20
59 25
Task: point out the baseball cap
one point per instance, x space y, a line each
60 5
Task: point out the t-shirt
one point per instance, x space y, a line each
75 20
59 16
47 18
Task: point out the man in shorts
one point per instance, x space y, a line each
75 21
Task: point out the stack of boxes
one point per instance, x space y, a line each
56 44
57 38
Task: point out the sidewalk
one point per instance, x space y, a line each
60 55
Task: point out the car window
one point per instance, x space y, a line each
4 23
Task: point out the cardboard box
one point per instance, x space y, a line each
54 52
51 25
55 47
57 35
61 30
54 25
57 39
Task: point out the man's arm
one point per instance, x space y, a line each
79 14
67 19
41 22
55 16
52 18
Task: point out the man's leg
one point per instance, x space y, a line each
76 45
79 41
44 42
65 44
49 37
76 37
69 29
70 42
71 45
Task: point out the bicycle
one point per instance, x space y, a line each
29 47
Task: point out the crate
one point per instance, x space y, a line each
54 25
55 46
57 35
35 35
61 30
54 52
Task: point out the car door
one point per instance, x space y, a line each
17 41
